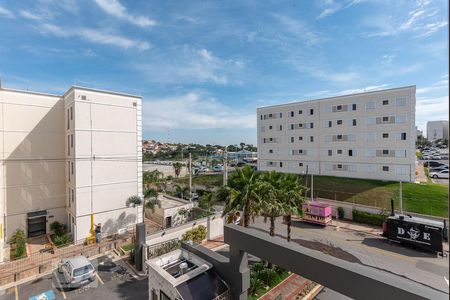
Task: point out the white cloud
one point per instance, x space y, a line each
189 65
6 13
193 111
115 8
431 109
32 16
298 29
95 36
363 90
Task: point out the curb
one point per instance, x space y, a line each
313 293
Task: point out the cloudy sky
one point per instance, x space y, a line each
203 67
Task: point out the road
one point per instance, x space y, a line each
114 281
373 251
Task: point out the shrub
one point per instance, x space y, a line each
20 249
368 218
61 240
19 239
196 235
18 235
57 228
340 212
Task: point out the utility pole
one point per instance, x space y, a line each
401 199
190 177
312 187
225 167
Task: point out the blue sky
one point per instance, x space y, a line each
204 66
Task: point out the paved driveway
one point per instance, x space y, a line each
114 280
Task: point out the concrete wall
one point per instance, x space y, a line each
32 158
214 224
286 142
106 154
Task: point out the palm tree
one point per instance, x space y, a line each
177 168
272 206
243 194
292 199
181 190
152 178
150 200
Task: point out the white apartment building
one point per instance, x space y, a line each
368 135
437 130
66 157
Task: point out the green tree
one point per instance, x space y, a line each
272 206
244 194
177 168
154 179
151 199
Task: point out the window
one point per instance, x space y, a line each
68 171
311 139
339 122
385 152
271 151
300 164
350 152
280 127
403 136
264 140
292 113
311 111
73 195
370 105
292 139
330 152
339 152
339 107
300 138
339 166
371 137
68 144
270 127
385 135
270 139
353 106
270 115
386 168
339 137
400 102
292 126
71 113
311 125
300 151
385 119
261 117
385 102
71 140
281 164
300 112
71 169
69 196
354 122
281 115
300 125
330 124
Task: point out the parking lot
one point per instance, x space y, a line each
114 280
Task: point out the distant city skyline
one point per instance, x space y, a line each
203 68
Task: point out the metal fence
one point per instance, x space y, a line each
163 248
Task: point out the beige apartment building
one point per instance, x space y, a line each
437 130
368 135
67 157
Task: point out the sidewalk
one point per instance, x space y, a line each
215 243
288 289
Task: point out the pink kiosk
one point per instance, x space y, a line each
317 212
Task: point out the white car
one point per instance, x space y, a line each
76 271
440 174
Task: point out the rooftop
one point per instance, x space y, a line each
171 202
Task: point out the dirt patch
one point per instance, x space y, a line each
328 249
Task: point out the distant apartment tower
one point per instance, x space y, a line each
368 135
67 157
437 130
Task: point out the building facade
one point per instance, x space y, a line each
437 130
67 157
368 135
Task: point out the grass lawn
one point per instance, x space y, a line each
424 198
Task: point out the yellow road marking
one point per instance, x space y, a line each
60 287
99 279
17 292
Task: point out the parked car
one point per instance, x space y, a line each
433 164
440 174
217 168
203 169
76 271
434 156
438 169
